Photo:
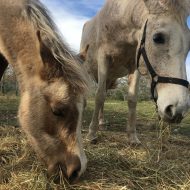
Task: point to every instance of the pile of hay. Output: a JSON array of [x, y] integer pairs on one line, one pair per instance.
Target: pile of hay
[[158, 164]]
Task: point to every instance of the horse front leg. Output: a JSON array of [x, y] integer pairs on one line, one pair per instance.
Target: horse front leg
[[101, 115], [100, 95], [133, 84], [102, 123]]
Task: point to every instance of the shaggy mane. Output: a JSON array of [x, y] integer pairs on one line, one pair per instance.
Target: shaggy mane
[[69, 64]]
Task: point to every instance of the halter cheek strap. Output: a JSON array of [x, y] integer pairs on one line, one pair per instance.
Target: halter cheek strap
[[155, 77]]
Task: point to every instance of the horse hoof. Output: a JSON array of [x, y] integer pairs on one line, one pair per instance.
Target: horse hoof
[[133, 140], [134, 143], [92, 139]]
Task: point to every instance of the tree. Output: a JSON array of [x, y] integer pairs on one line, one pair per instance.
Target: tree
[[8, 83]]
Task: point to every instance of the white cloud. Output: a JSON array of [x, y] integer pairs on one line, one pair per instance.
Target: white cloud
[[71, 28], [70, 25]]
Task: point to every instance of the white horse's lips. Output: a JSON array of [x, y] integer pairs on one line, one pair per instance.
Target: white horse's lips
[[177, 119]]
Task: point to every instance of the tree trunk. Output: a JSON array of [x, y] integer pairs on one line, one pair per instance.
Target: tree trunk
[[2, 85]]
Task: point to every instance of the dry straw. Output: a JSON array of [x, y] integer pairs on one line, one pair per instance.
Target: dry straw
[[162, 162]]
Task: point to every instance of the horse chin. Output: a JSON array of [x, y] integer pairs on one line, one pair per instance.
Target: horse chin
[[174, 108], [175, 120], [59, 173]]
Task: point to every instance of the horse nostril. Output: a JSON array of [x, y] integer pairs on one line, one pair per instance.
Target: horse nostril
[[74, 175], [69, 170], [169, 111], [171, 115], [73, 168]]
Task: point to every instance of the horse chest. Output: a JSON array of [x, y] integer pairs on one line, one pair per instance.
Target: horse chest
[[121, 62]]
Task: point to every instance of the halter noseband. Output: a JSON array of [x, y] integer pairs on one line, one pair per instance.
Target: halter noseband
[[155, 77]]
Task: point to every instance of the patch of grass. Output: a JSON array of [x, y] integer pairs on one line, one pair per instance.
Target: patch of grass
[[8, 110], [160, 163]]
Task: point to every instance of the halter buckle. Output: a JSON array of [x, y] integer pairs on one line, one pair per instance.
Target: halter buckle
[[155, 79]]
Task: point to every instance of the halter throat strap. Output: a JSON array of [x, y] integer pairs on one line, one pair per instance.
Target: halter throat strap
[[154, 76]]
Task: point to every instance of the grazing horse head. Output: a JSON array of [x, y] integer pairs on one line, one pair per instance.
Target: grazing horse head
[[51, 118], [52, 84], [163, 46]]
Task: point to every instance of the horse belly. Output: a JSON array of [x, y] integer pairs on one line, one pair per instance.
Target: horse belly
[[119, 72], [121, 65]]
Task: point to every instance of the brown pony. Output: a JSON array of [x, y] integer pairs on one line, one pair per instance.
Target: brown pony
[[52, 85]]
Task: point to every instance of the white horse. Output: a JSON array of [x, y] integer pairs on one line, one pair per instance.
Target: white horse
[[127, 35]]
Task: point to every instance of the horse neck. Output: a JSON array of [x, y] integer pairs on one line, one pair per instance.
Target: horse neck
[[127, 15], [26, 74], [21, 79]]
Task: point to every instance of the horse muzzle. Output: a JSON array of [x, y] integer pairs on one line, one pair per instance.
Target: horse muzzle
[[171, 115]]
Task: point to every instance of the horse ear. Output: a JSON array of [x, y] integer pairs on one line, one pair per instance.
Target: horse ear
[[45, 69], [45, 52], [83, 53]]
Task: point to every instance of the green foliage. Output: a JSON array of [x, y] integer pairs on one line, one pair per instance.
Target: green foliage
[[8, 110], [116, 95], [8, 83]]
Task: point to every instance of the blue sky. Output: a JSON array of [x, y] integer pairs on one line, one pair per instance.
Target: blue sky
[[70, 16]]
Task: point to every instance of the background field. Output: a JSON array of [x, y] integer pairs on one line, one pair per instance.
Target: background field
[[162, 162]]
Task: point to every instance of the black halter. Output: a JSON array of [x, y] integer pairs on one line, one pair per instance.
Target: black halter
[[155, 77]]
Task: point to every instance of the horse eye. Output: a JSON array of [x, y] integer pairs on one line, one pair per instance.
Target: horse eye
[[159, 38]]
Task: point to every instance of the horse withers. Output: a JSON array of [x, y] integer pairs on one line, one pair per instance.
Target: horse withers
[[52, 85], [127, 36]]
